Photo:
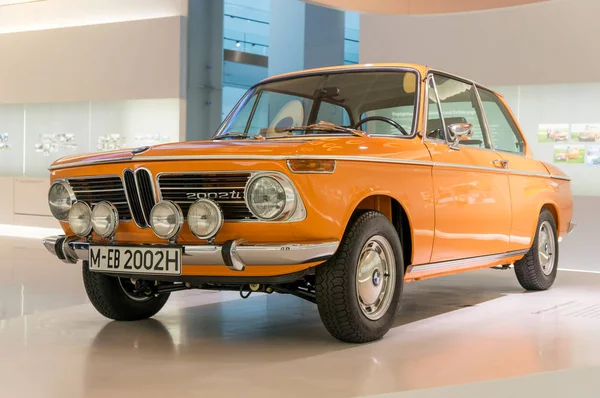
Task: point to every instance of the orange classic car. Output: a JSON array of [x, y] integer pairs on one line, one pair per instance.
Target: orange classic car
[[336, 185]]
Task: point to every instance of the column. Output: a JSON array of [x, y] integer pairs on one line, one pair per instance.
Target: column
[[204, 68], [304, 36]]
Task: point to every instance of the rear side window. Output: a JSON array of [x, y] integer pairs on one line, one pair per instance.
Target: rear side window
[[503, 129]]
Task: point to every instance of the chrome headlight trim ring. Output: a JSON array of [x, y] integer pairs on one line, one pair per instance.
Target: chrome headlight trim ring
[[291, 196], [114, 221], [178, 219], [220, 218], [73, 199]]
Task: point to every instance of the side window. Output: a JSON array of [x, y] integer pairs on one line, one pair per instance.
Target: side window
[[460, 105], [435, 127], [503, 130]]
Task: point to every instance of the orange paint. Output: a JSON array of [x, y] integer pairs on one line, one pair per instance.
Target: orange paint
[[455, 211]]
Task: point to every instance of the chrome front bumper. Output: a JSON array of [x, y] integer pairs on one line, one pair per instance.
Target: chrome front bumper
[[232, 254]]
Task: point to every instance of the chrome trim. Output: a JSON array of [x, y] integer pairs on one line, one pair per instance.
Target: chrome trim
[[465, 261], [88, 162], [325, 71], [298, 215], [179, 219], [487, 132], [358, 159], [137, 188], [571, 227], [50, 244], [151, 183], [122, 177], [88, 210], [281, 254], [219, 219], [64, 182], [114, 225], [291, 196]]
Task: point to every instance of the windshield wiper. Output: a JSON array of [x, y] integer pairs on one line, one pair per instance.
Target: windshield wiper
[[238, 135], [326, 127]]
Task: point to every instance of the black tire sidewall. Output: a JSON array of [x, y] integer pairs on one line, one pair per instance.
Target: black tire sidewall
[[109, 299], [337, 298]]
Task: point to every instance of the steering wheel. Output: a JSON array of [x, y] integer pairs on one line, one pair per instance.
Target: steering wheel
[[381, 119]]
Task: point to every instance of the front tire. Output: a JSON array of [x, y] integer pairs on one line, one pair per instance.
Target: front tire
[[113, 298], [537, 270], [358, 290]]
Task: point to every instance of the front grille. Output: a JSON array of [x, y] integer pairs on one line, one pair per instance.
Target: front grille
[[143, 179], [93, 190], [226, 189], [134, 199]]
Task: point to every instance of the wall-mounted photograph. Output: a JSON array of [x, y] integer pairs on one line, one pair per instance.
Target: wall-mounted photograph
[[553, 132], [569, 153], [585, 132], [592, 155]]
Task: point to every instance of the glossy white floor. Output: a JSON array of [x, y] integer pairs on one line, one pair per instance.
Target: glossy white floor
[[471, 335]]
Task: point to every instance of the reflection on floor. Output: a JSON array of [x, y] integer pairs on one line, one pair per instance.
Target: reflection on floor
[[478, 326]]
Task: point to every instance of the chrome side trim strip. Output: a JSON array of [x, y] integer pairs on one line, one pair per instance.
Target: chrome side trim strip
[[465, 261], [348, 158], [290, 254]]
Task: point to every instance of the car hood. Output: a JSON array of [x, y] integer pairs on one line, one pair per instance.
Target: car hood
[[288, 147]]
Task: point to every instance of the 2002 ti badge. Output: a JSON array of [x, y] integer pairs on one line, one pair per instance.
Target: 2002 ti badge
[[336, 185]]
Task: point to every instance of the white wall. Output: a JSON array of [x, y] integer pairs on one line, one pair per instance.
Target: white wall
[[543, 43], [50, 14], [122, 60]]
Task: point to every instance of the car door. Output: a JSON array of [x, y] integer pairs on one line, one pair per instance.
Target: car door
[[471, 188], [522, 169]]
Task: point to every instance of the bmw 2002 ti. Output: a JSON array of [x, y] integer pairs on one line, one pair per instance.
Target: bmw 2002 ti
[[336, 185]]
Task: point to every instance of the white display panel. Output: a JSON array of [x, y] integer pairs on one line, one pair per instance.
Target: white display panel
[[33, 136], [129, 124], [561, 123], [11, 139], [53, 131]]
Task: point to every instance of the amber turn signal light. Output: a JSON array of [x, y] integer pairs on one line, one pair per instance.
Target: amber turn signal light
[[311, 165]]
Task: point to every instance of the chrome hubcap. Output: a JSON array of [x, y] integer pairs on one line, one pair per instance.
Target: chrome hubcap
[[546, 247], [375, 277]]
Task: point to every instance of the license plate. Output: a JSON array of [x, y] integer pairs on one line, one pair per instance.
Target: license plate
[[135, 259]]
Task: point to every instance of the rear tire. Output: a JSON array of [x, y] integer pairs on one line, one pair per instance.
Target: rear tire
[[109, 297], [358, 290], [537, 270]]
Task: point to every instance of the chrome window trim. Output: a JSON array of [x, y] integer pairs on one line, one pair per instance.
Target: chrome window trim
[[360, 69], [464, 261], [299, 213], [487, 131], [525, 144], [426, 112]]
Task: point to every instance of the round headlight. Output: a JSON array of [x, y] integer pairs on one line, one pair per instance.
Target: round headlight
[[105, 219], [80, 219], [205, 218], [270, 196], [166, 219], [60, 200]]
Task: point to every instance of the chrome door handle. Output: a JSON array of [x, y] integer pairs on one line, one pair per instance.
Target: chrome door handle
[[500, 163]]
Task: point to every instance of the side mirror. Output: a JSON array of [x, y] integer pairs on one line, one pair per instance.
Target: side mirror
[[457, 131]]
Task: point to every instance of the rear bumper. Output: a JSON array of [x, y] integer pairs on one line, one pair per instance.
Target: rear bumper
[[232, 254]]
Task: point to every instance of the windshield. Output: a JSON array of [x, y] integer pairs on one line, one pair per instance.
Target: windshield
[[286, 108]]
